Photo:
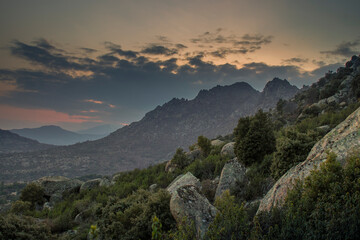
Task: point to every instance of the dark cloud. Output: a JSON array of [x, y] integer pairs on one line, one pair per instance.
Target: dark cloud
[[345, 49], [296, 60], [41, 53], [231, 44], [135, 84], [159, 50], [88, 50], [114, 48], [43, 43], [180, 46], [163, 38]]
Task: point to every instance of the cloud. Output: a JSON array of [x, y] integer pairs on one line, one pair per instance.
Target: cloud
[[159, 50], [124, 88], [88, 50], [295, 60], [9, 86], [44, 116], [93, 101], [230, 44], [344, 49], [114, 48]]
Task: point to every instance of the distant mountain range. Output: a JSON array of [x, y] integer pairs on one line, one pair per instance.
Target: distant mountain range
[[11, 143], [154, 138], [58, 136]]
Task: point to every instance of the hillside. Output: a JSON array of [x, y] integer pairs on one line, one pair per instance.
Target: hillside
[[55, 135], [11, 143], [153, 139]]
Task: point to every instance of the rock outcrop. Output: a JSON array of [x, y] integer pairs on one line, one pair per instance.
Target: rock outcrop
[[183, 180], [188, 203], [88, 185], [231, 173], [217, 143], [342, 140], [55, 186], [228, 150]]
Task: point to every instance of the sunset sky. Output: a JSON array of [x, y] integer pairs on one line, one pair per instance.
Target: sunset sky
[[83, 63]]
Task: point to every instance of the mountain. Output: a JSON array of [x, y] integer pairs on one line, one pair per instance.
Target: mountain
[[11, 143], [101, 130], [55, 135], [154, 138]]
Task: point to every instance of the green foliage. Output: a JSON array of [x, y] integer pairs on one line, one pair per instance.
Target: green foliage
[[355, 86], [292, 147], [207, 168], [20, 207], [254, 138], [132, 217], [325, 206], [180, 159], [280, 105], [257, 183], [230, 222], [156, 229], [205, 145], [185, 231], [23, 228], [34, 194]]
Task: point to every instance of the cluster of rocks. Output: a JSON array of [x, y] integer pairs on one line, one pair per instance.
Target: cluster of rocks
[[189, 204], [342, 140], [56, 187]]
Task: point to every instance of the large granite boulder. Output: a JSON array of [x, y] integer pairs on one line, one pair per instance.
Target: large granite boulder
[[228, 150], [217, 143], [183, 180], [188, 203], [194, 154], [88, 185], [341, 140], [55, 186], [231, 173]]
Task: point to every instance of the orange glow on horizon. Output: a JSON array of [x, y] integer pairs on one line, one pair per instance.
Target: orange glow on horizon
[[42, 115]]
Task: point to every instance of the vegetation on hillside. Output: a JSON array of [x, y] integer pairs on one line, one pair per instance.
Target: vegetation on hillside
[[325, 206]]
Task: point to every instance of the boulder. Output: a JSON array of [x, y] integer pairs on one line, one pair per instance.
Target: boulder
[[57, 185], [217, 143], [341, 140], [231, 173], [183, 180], [187, 203], [170, 167], [194, 154], [105, 182], [153, 187], [90, 184], [228, 150]]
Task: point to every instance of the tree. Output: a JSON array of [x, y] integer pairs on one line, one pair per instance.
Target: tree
[[292, 147], [33, 193], [180, 159], [254, 138], [205, 145]]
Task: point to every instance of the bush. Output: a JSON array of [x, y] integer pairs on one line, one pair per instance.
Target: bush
[[254, 138], [230, 222], [26, 228], [20, 207], [180, 159], [292, 147], [205, 145], [34, 194]]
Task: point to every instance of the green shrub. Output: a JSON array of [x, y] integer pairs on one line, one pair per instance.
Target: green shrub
[[34, 194], [23, 228], [231, 221], [180, 159], [205, 145], [20, 207], [254, 138]]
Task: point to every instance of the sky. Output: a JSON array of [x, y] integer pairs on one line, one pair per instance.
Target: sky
[[79, 64]]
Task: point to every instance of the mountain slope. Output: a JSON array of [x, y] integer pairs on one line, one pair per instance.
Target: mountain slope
[[55, 135], [11, 142], [175, 124], [103, 130]]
